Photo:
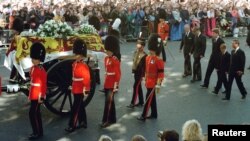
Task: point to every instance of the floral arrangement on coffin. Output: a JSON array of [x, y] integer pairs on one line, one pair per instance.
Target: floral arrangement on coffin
[[87, 29], [28, 33], [52, 28]]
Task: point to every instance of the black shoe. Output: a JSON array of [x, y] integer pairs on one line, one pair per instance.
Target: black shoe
[[204, 86], [225, 99], [34, 136], [104, 125], [131, 106], [138, 105], [215, 92], [198, 79], [184, 75], [192, 81], [103, 91], [243, 97], [151, 117], [69, 129], [82, 125], [141, 118]]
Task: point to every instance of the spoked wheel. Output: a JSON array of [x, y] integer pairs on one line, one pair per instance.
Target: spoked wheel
[[59, 99]]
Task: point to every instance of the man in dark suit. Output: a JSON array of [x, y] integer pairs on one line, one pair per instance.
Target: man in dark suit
[[187, 43], [237, 66], [223, 69], [198, 52], [214, 60]]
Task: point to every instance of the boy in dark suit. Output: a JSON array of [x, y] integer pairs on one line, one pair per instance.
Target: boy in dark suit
[[223, 68], [237, 66]]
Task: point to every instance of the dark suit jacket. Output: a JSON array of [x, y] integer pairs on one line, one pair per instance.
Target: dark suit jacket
[[216, 53], [184, 14], [225, 62], [187, 42], [199, 46], [238, 61]]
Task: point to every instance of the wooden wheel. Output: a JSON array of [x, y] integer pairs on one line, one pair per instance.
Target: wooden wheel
[[59, 99]]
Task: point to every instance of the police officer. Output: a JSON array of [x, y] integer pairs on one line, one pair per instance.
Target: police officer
[[80, 86], [138, 69], [38, 86], [153, 76], [112, 79]]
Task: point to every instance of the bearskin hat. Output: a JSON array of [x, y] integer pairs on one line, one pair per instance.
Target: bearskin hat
[[18, 25], [112, 44], [162, 14], [93, 20], [141, 41], [37, 51], [80, 47], [154, 43], [114, 32]]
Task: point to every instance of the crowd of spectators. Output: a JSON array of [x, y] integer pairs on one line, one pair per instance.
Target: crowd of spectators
[[231, 18]]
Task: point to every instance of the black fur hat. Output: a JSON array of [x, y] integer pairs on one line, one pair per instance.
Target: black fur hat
[[141, 41], [112, 44], [80, 47], [37, 51], [93, 20], [155, 43], [162, 14], [18, 24]]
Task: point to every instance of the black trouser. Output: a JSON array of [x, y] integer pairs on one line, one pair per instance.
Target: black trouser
[[187, 64], [137, 90], [109, 114], [150, 102], [35, 118], [210, 69], [197, 68], [239, 83], [222, 78], [78, 113]]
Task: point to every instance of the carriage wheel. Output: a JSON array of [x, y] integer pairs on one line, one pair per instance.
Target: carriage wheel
[[59, 99]]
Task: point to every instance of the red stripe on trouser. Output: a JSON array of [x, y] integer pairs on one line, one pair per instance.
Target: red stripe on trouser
[[110, 103], [76, 116], [37, 124], [136, 91], [149, 102]]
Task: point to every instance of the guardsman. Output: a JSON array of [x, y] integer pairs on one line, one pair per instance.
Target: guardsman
[[138, 69], [38, 86], [153, 76], [112, 79], [80, 87]]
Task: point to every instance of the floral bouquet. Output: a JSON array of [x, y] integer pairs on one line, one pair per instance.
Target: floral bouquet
[[87, 29], [52, 28]]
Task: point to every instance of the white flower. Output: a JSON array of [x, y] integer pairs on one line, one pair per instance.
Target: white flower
[[159, 40]]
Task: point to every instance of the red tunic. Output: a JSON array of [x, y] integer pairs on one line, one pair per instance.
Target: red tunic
[[163, 30], [113, 72], [80, 77], [154, 70], [38, 83]]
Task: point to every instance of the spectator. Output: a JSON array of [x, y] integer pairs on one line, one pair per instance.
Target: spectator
[[191, 131], [138, 138], [105, 138], [169, 135]]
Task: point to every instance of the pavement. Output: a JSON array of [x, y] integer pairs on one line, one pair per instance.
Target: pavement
[[178, 101]]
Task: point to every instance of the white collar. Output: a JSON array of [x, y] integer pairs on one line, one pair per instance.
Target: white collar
[[237, 49], [217, 38]]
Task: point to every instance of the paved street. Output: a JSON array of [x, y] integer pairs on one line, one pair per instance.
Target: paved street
[[178, 101]]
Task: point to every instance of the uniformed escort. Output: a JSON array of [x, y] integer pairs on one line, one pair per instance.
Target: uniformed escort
[[153, 76], [138, 69], [80, 87], [112, 79], [38, 86]]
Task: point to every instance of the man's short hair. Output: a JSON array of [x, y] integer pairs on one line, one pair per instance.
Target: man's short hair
[[170, 135], [223, 46], [236, 41], [196, 29], [216, 30]]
